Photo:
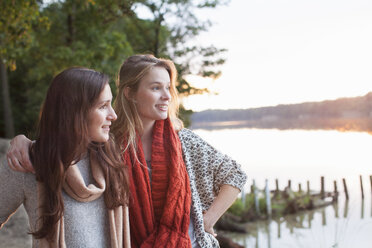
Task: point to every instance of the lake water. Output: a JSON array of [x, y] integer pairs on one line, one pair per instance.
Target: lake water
[[299, 156]]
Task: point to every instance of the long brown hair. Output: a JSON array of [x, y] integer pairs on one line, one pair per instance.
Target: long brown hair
[[62, 140], [130, 75]]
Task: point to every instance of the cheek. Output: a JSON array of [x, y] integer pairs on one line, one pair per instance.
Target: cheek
[[96, 120]]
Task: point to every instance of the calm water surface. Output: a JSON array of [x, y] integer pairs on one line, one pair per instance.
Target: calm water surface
[[299, 156]]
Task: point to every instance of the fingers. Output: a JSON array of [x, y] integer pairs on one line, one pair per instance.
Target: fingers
[[208, 226], [18, 156], [25, 162], [14, 164], [211, 231]]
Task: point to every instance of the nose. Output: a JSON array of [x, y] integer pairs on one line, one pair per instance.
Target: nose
[[112, 115], [166, 95]]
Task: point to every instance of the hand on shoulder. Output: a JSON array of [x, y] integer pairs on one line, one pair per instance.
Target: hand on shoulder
[[18, 154]]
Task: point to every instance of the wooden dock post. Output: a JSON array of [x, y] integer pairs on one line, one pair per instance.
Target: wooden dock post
[[289, 184], [243, 197], [361, 185], [299, 188], [276, 185], [345, 189], [268, 198], [322, 186], [308, 187], [256, 197], [335, 197]]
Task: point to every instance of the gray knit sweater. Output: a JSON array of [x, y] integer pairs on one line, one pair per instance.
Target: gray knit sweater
[[86, 224]]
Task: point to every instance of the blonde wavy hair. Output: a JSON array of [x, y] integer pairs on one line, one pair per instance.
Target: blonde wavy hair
[[131, 72]]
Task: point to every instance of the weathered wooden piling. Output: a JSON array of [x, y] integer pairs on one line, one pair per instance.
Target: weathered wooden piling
[[335, 191], [277, 185], [299, 188], [345, 189], [322, 186], [243, 197], [256, 203], [361, 185], [289, 184], [308, 187], [268, 198]]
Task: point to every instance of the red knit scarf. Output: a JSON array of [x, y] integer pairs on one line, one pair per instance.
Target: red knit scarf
[[160, 212]]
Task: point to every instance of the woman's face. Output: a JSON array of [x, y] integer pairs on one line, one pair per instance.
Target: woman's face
[[152, 97], [100, 117]]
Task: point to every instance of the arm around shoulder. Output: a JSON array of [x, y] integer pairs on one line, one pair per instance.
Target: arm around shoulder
[[11, 191], [18, 155]]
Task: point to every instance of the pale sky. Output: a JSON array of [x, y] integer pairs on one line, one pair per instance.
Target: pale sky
[[289, 51]]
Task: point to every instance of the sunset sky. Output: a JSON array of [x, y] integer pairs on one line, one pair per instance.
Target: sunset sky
[[288, 51]]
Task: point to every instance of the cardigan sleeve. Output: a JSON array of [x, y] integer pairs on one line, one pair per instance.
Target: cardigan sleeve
[[208, 159], [11, 191]]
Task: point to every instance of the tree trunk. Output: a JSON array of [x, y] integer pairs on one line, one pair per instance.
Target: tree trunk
[[8, 116], [71, 25], [158, 22]]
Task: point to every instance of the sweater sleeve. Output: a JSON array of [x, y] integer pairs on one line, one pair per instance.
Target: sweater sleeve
[[11, 191], [224, 169]]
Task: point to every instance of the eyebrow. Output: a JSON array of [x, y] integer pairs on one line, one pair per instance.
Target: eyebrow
[[159, 83], [104, 101]]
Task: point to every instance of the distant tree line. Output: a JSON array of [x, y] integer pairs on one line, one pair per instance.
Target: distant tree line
[[39, 39], [354, 113]]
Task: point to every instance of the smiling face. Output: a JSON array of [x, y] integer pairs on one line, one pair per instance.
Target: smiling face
[[100, 117], [152, 96]]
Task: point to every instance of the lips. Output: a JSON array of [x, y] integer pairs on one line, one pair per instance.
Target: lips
[[106, 127], [162, 107]]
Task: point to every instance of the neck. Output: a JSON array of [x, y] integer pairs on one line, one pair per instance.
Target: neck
[[146, 138], [147, 128]]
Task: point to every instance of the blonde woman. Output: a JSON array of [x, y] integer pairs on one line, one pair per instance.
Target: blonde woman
[[180, 185]]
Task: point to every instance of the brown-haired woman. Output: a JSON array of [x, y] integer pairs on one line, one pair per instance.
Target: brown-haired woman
[[179, 184], [78, 195]]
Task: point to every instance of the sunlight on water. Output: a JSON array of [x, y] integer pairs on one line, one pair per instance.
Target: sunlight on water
[[300, 156], [297, 155]]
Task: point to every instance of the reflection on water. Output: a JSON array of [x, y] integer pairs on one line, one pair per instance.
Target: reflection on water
[[317, 228], [299, 156]]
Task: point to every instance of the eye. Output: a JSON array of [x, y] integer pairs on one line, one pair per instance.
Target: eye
[[104, 106], [155, 88]]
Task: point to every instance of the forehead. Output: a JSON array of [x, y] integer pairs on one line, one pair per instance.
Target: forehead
[[156, 75], [105, 93]]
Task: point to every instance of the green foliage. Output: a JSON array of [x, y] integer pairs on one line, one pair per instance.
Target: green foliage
[[17, 20], [278, 208], [100, 34], [185, 116], [237, 208], [282, 203]]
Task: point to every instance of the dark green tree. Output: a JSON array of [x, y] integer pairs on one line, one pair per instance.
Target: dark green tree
[[17, 20], [101, 34], [174, 25], [81, 33]]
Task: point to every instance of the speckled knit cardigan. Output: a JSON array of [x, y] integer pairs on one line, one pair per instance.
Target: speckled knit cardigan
[[208, 170]]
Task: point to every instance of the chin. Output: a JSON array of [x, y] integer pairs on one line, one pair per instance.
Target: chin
[[102, 139], [163, 117]]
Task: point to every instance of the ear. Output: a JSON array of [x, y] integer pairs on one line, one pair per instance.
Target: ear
[[127, 93]]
